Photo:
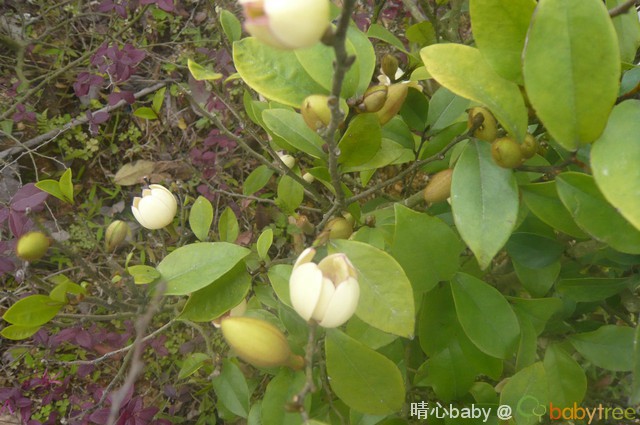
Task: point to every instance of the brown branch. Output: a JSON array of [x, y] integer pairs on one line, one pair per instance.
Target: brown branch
[[622, 8]]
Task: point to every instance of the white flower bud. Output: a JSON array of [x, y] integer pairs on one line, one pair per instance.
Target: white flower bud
[[308, 178], [288, 160], [286, 24], [156, 208], [326, 292]]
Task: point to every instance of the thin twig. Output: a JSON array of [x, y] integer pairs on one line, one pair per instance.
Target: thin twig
[[415, 11], [622, 8]]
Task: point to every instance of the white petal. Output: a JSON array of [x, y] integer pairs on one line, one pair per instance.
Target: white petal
[[337, 267], [298, 23], [328, 290], [343, 304], [305, 285], [138, 216], [305, 257], [163, 195], [154, 213]]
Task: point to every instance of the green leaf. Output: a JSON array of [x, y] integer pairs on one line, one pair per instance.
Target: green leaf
[[290, 194], [368, 335], [201, 217], [448, 372], [592, 288], [365, 57], [537, 310], [231, 389], [628, 30], [567, 381], [228, 226], [615, 158], [146, 113], [527, 394], [231, 27], [34, 310], [279, 392], [414, 112], [485, 316], [143, 274], [200, 73], [533, 250], [192, 364], [594, 214], [52, 187], [18, 332], [445, 108], [349, 367], [634, 398], [60, 291], [610, 347], [386, 298], [264, 243], [427, 249], [191, 267], [484, 200], [422, 34], [572, 96], [66, 186], [275, 74], [217, 298], [381, 33], [290, 126], [542, 199], [257, 180], [279, 277], [500, 30], [158, 99], [463, 70], [361, 141], [537, 281]]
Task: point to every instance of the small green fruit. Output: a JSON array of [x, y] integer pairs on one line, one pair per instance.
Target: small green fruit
[[529, 147], [489, 128], [32, 246], [339, 228], [438, 188], [506, 152], [315, 111], [115, 234]]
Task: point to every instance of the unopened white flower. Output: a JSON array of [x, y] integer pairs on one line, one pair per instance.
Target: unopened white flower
[[156, 208], [236, 311], [288, 160], [326, 292], [286, 24]]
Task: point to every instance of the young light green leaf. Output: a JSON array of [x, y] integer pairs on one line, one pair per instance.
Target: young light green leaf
[[257, 180], [279, 392], [60, 291], [365, 380], [18, 332], [228, 226], [158, 100], [192, 364], [463, 70], [232, 389], [290, 126], [191, 267], [201, 217], [573, 96], [627, 28], [66, 185], [527, 393], [231, 26], [200, 73], [567, 381], [615, 158], [445, 108], [381, 33], [146, 113], [290, 194], [484, 200], [264, 243], [33, 310], [143, 274]]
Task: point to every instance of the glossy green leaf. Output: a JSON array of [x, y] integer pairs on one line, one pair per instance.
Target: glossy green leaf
[[528, 347], [634, 397], [500, 30], [231, 389], [201, 217], [567, 381], [275, 74], [228, 226], [610, 347], [18, 332], [484, 200], [33, 310], [191, 267], [279, 278], [386, 298], [366, 57], [142, 274], [594, 214], [445, 108], [381, 33], [290, 194], [427, 249], [527, 394], [52, 187], [464, 71], [543, 201], [422, 34], [217, 298], [66, 185], [291, 127], [572, 96], [192, 364], [533, 250], [158, 99], [591, 289], [60, 291], [485, 316], [146, 113], [350, 368], [200, 73], [448, 372], [615, 158], [257, 180], [367, 334], [627, 28], [231, 26], [537, 281], [264, 243], [361, 141], [279, 392], [537, 310], [414, 111]]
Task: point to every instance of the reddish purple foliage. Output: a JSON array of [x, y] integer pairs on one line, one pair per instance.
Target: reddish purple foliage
[[23, 114], [120, 64]]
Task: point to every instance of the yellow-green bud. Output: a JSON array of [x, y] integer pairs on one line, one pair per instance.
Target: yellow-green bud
[[529, 147], [396, 95], [488, 129], [389, 66], [288, 160], [308, 177], [259, 343], [506, 152], [32, 246], [374, 98], [339, 228], [116, 233], [315, 111], [438, 188]]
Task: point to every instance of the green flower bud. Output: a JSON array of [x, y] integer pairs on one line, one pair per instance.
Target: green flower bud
[[506, 152], [396, 95], [315, 111], [389, 66], [32, 246], [438, 188], [116, 233], [339, 228], [374, 98]]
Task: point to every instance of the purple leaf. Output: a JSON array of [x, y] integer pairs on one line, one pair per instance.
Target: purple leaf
[[19, 224], [100, 416], [116, 97], [29, 196], [166, 5]]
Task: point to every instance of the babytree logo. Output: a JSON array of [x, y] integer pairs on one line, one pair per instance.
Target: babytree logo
[[599, 413]]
